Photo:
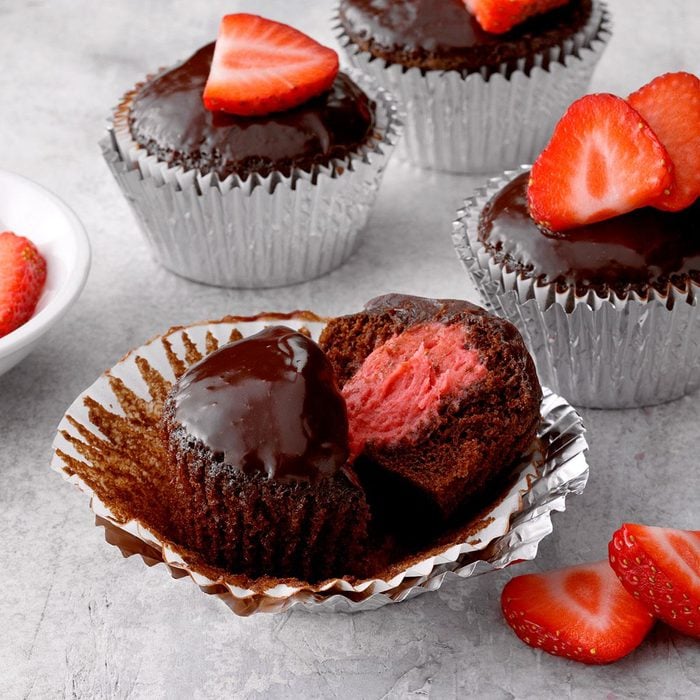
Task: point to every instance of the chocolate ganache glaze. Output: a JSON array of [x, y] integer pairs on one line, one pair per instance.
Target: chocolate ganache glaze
[[167, 117], [267, 403], [643, 248], [444, 35]]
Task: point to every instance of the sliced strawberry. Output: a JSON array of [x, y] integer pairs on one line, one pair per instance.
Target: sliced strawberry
[[581, 612], [670, 104], [500, 16], [260, 66], [660, 567], [22, 277], [602, 160]]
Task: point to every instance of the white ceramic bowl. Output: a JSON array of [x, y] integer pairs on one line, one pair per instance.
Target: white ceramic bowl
[[31, 211]]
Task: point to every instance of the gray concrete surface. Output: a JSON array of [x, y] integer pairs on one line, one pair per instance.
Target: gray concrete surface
[[77, 620]]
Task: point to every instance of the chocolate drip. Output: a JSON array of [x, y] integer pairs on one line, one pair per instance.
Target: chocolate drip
[[644, 247], [268, 403], [168, 118]]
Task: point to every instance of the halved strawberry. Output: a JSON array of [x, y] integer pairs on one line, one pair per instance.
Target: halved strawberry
[[660, 567], [580, 612], [500, 16], [22, 277], [670, 104], [260, 66], [602, 160]]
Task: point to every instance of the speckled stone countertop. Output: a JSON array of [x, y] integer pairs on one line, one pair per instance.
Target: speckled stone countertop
[[78, 620]]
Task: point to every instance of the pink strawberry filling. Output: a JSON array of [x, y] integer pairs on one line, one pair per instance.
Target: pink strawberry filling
[[401, 384]]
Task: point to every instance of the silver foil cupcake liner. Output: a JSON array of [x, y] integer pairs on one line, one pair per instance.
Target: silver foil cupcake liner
[[481, 122], [601, 351], [97, 455], [259, 231]]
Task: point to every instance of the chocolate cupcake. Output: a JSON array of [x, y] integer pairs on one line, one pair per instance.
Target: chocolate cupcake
[[258, 435], [595, 252], [442, 398], [251, 199], [167, 119], [640, 252], [476, 101], [609, 311]]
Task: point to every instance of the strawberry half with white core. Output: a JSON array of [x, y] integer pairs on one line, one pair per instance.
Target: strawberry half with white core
[[500, 16], [580, 612], [260, 66], [603, 160], [670, 104], [660, 567]]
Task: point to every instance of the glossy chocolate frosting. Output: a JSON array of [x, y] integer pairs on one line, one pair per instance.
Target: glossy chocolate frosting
[[168, 118], [268, 403], [444, 35], [643, 248]]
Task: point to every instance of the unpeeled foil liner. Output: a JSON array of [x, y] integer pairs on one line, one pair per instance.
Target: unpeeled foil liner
[[92, 457], [484, 122], [259, 231], [597, 350]]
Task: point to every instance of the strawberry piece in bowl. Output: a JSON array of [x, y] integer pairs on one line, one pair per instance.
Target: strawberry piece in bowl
[[660, 567], [579, 612], [22, 279], [261, 66], [603, 160], [500, 16], [670, 104]]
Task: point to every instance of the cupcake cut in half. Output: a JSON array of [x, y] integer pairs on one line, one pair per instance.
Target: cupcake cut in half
[[439, 393], [258, 434], [294, 459]]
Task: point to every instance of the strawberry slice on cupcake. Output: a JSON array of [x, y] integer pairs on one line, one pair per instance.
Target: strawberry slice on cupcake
[[261, 66], [670, 104], [500, 16], [603, 160], [609, 156]]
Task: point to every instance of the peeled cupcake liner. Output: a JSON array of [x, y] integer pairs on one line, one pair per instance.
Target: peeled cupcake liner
[[509, 532], [488, 121], [258, 231], [597, 350]]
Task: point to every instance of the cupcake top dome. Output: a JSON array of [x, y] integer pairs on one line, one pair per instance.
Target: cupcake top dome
[[266, 404], [446, 35], [265, 98]]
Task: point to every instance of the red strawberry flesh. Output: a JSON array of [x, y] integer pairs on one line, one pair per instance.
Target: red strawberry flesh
[[580, 612], [603, 160], [500, 16], [22, 278], [670, 104], [261, 66], [660, 567]]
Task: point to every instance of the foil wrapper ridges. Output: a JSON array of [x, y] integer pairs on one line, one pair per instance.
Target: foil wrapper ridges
[[597, 351], [258, 232], [482, 123], [509, 532]]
